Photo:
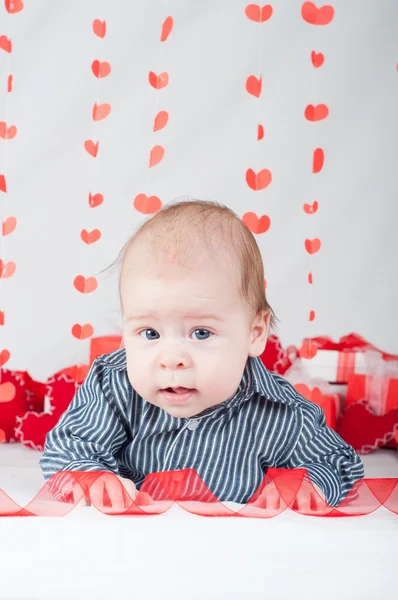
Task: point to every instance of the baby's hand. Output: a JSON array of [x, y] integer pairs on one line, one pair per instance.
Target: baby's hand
[[308, 501], [119, 489]]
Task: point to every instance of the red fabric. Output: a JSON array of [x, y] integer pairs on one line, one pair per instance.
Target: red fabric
[[25, 395], [159, 491], [275, 358], [365, 431]]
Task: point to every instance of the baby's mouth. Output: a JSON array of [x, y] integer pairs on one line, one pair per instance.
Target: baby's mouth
[[179, 390]]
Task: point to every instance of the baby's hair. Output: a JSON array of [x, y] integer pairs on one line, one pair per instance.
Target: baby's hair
[[182, 227]]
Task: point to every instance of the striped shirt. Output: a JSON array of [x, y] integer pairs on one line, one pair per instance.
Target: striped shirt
[[267, 423]]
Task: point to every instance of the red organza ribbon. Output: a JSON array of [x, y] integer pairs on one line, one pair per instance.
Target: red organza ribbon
[[187, 489], [347, 343]]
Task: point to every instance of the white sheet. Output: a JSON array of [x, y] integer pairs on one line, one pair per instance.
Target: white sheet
[[181, 556]]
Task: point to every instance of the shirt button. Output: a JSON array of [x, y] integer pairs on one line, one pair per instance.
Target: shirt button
[[192, 425]]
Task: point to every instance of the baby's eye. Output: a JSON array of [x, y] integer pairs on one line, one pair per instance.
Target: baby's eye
[[153, 331]]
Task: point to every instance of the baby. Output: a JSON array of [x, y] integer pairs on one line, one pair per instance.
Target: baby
[[188, 390]]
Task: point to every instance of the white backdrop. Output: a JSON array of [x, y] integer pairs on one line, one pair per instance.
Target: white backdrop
[[210, 141]]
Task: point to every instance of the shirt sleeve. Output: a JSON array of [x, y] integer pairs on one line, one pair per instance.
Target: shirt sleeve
[[332, 464], [86, 438]]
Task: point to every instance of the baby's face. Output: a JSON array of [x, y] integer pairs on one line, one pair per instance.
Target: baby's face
[[184, 327]]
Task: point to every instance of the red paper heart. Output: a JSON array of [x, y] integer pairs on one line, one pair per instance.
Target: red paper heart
[[161, 120], [9, 225], [260, 132], [7, 133], [82, 332], [7, 269], [91, 148], [3, 184], [166, 28], [13, 6], [258, 181], [257, 14], [317, 59], [156, 156], [311, 209], [9, 83], [158, 81], [312, 246], [95, 200], [310, 278], [312, 315], [89, 237], [4, 357], [2, 436], [318, 159], [101, 69], [308, 349], [255, 224], [253, 85], [7, 391], [5, 43], [2, 317], [316, 113], [85, 286], [101, 111], [99, 28], [317, 16], [148, 205]]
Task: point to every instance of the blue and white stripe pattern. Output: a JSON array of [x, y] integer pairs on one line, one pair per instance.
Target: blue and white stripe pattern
[[109, 427]]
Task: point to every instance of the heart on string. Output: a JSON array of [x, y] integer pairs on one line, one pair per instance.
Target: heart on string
[[312, 315], [317, 16], [258, 14], [85, 286], [260, 132], [317, 163], [312, 246], [156, 156], [89, 237], [101, 69], [161, 120], [9, 225], [166, 29], [9, 83], [147, 205], [95, 199], [3, 184], [7, 391], [4, 357], [316, 113], [101, 111], [311, 209], [308, 349], [7, 133], [253, 85], [91, 148], [13, 6], [99, 28], [310, 278], [2, 317], [258, 181], [82, 332], [158, 81], [317, 59], [5, 43], [255, 224], [7, 269]]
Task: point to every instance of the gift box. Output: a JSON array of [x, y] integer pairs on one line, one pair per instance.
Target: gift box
[[104, 345], [335, 362]]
